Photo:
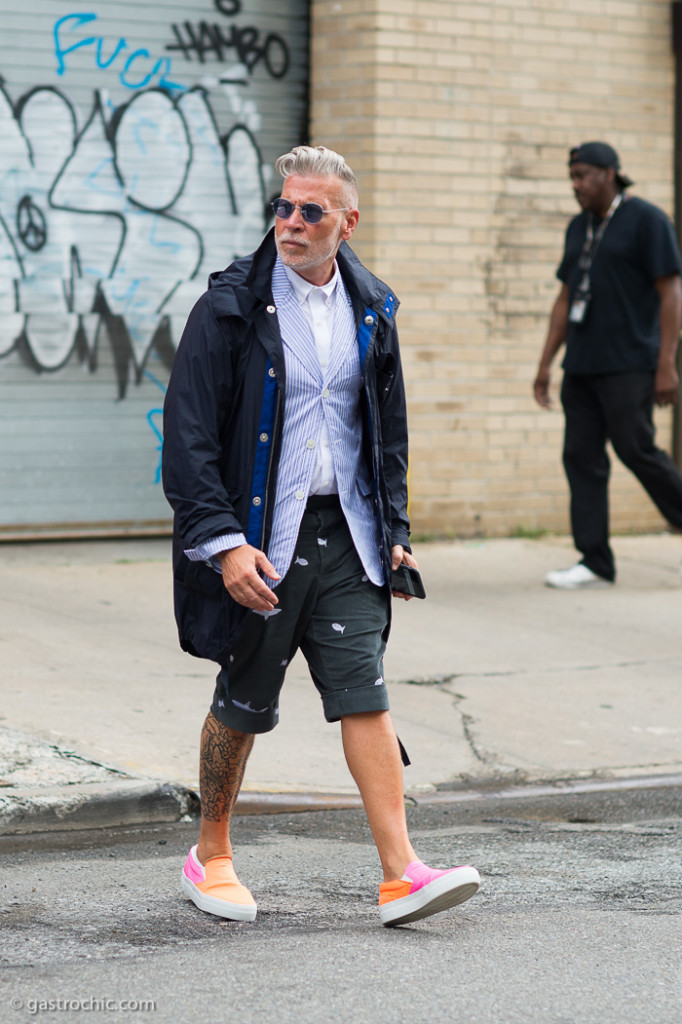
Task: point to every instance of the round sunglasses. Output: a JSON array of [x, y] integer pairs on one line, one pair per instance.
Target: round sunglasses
[[312, 213]]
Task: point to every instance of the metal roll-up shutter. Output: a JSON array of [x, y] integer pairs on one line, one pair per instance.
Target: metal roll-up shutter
[[136, 151]]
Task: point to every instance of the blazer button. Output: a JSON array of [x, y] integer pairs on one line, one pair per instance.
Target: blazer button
[[271, 372], [257, 501], [369, 320], [272, 309], [263, 438]]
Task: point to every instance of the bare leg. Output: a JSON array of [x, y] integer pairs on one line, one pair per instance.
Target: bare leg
[[224, 753], [373, 755]]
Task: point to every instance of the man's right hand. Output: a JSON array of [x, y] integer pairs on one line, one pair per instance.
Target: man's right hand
[[240, 575], [556, 335], [541, 389]]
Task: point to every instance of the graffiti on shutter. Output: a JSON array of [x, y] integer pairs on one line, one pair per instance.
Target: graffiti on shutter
[[136, 150]]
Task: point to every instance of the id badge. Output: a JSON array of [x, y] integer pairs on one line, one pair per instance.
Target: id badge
[[578, 311]]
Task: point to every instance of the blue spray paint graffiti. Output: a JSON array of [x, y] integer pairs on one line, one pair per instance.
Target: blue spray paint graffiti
[[153, 416], [133, 63], [130, 169], [204, 40]]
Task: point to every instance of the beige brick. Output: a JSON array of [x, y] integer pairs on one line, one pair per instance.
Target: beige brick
[[458, 116]]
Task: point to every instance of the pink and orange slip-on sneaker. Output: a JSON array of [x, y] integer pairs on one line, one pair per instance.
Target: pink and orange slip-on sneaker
[[215, 888], [423, 891]]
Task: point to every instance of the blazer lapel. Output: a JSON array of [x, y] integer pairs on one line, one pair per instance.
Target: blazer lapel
[[294, 327], [343, 334]]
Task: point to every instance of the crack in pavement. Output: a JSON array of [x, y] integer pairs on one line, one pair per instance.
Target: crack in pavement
[[71, 755], [467, 721]]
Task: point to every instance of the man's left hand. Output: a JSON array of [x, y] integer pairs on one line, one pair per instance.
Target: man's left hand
[[398, 555], [667, 385]]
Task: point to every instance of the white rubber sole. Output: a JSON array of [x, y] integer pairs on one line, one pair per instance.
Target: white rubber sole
[[558, 580], [444, 892], [220, 908], [590, 585]]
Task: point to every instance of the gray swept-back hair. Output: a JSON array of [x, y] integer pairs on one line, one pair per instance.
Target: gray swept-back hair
[[318, 161]]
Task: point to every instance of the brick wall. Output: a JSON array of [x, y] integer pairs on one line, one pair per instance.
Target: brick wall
[[457, 118]]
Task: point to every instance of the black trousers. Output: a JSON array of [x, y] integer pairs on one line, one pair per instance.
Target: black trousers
[[619, 408]]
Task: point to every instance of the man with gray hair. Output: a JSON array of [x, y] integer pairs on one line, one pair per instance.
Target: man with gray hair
[[285, 462]]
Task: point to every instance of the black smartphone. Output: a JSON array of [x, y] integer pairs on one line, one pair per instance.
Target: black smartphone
[[406, 580]]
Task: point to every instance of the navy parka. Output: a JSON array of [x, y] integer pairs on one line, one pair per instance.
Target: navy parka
[[223, 417]]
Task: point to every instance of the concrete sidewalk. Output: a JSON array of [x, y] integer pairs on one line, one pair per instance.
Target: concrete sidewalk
[[494, 680]]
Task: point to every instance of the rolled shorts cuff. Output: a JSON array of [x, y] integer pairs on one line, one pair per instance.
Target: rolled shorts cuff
[[354, 701], [243, 719]]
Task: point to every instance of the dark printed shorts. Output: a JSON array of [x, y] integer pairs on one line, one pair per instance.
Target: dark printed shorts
[[327, 608]]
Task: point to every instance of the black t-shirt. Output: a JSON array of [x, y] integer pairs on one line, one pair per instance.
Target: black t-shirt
[[620, 332]]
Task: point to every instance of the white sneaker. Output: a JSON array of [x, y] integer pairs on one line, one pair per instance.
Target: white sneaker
[[578, 577]]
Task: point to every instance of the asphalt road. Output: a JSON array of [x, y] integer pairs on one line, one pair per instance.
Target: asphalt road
[[578, 921]]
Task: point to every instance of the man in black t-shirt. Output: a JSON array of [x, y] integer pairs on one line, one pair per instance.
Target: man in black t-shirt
[[619, 312]]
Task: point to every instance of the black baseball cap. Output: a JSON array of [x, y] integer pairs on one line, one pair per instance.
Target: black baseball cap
[[599, 154]]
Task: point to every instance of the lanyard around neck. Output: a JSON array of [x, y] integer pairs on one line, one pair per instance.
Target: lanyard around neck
[[592, 240], [589, 235]]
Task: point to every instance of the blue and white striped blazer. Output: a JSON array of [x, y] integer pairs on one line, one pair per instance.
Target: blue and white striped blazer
[[314, 396]]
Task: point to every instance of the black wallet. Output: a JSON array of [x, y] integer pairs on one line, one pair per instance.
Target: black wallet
[[406, 580]]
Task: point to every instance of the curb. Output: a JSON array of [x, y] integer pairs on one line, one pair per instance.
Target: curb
[[125, 803], [97, 805], [291, 803], [147, 803]]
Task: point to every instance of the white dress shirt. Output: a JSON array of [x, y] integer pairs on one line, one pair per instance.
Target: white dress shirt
[[318, 304], [323, 376]]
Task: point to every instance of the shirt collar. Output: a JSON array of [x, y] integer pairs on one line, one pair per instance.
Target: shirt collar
[[303, 288]]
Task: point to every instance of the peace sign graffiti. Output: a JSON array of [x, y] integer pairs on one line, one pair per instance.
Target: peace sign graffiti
[[31, 224]]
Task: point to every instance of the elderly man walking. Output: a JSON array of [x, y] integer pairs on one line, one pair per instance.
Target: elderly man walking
[[619, 312], [285, 460]]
